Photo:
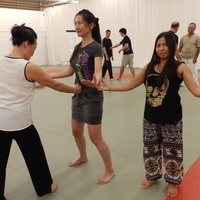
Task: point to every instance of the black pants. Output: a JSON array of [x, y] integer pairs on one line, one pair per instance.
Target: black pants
[[107, 66], [32, 150]]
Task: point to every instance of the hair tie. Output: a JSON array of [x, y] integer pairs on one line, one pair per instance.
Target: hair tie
[[22, 26], [96, 21]]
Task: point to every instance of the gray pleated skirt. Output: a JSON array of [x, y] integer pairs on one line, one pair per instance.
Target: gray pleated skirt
[[87, 107]]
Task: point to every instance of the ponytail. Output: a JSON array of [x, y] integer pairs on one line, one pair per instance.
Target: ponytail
[[96, 31]]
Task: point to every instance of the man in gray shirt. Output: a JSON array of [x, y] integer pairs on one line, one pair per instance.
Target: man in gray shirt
[[189, 47]]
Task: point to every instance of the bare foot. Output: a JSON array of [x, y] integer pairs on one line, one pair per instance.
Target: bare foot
[[172, 190], [54, 187], [148, 183], [106, 177], [119, 78], [77, 162]]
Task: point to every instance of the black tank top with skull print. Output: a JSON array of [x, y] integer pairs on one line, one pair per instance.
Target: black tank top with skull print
[[163, 106]]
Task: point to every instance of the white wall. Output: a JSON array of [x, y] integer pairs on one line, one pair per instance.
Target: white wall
[[34, 19], [143, 19]]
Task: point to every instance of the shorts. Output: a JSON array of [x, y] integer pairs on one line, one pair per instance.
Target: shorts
[[87, 107], [127, 59]]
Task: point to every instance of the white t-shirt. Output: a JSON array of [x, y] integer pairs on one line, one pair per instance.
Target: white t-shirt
[[16, 94]]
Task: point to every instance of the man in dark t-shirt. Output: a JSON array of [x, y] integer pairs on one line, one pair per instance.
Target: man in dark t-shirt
[[127, 58], [106, 44], [174, 28]]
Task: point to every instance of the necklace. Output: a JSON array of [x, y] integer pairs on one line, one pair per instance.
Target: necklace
[[158, 68]]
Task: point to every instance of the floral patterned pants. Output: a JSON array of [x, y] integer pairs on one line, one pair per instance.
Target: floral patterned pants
[[163, 144]]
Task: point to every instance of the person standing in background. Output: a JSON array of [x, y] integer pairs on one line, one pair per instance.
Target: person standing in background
[[189, 47], [174, 29], [108, 54], [127, 58]]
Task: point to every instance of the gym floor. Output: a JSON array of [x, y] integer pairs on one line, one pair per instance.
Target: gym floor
[[122, 130]]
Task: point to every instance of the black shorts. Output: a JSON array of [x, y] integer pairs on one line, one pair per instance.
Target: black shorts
[[87, 107]]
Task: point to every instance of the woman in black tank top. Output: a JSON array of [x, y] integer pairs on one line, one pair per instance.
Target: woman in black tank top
[[162, 125]]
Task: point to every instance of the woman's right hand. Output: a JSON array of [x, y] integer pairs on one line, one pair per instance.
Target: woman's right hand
[[78, 89]]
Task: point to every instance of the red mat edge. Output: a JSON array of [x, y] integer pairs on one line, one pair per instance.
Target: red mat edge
[[188, 191]]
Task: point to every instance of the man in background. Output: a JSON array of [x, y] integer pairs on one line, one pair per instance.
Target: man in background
[[108, 54], [189, 47], [127, 58], [174, 29]]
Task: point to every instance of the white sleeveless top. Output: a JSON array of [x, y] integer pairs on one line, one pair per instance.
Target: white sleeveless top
[[16, 93]]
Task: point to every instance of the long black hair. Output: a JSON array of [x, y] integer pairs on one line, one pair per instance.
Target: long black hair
[[89, 18], [170, 41], [22, 33]]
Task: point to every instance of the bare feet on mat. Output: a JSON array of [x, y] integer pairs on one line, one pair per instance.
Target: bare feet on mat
[[77, 162], [119, 78], [106, 177], [148, 183], [54, 187], [172, 190]]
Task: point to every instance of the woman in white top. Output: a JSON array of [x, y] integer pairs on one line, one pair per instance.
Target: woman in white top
[[17, 83]]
